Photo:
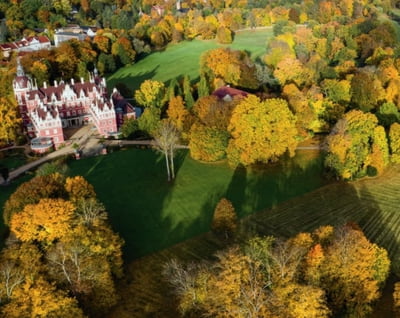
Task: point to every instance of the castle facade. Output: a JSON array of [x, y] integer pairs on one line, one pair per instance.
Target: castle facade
[[48, 110]]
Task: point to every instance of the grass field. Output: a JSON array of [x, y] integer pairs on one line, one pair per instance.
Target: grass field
[[183, 59], [151, 214], [13, 158], [372, 203]]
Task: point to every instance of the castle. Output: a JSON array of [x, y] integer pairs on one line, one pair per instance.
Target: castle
[[47, 110]]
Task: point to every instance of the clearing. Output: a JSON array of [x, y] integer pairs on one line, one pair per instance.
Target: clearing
[[184, 59]]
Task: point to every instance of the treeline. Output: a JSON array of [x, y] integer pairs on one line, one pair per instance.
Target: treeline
[[61, 257], [329, 272]]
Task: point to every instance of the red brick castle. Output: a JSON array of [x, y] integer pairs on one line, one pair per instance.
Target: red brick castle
[[47, 110]]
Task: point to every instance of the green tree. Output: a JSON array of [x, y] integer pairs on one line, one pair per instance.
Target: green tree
[[203, 88], [388, 114], [187, 92]]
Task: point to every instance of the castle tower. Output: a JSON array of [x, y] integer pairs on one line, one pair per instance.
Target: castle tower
[[21, 84]]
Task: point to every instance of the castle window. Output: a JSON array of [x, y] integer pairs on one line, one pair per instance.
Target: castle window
[[54, 131], [47, 132]]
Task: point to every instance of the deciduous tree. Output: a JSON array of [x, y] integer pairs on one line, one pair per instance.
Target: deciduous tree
[[261, 131], [224, 220], [166, 139]]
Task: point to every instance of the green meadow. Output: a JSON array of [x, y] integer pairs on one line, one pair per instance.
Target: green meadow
[[183, 58], [152, 214]]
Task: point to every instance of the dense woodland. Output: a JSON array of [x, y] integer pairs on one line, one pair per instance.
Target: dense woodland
[[332, 68]]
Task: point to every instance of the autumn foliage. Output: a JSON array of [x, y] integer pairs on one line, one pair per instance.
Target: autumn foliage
[[61, 246], [261, 131], [309, 275]]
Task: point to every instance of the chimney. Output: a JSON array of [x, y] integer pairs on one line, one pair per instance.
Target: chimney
[[55, 83], [72, 81], [44, 85], [82, 80]]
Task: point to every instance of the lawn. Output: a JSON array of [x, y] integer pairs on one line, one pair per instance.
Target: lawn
[[183, 59], [152, 214], [12, 158], [373, 203]]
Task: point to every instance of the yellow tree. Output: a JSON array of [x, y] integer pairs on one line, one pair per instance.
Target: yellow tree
[[45, 222], [9, 120], [224, 219], [349, 253], [261, 131], [38, 298], [394, 139], [30, 192], [79, 189], [150, 94], [179, 115]]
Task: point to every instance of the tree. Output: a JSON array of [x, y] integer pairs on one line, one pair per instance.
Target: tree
[[9, 120], [150, 94], [129, 128], [366, 91], [38, 298], [166, 139], [351, 143], [388, 114], [30, 192], [187, 92], [261, 131], [394, 142], [224, 220], [203, 88], [179, 115], [233, 67], [149, 121], [79, 189], [224, 35], [45, 222], [207, 143], [349, 253], [292, 70]]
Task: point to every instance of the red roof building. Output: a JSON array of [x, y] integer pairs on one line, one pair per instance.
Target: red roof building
[[28, 44], [47, 110], [227, 93]]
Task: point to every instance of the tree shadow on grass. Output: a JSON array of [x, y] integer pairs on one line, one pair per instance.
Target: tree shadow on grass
[[131, 81], [132, 184], [264, 186], [371, 203]]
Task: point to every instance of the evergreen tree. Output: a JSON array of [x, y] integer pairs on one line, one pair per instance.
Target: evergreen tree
[[203, 88], [187, 92]]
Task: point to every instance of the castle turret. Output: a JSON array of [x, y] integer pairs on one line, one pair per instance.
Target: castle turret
[[21, 83]]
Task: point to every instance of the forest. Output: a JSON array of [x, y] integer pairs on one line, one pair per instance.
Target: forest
[[331, 69]]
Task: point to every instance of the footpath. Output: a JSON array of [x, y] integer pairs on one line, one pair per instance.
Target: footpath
[[81, 138]]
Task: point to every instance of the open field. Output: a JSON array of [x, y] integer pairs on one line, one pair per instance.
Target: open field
[[184, 59], [372, 203], [152, 214]]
